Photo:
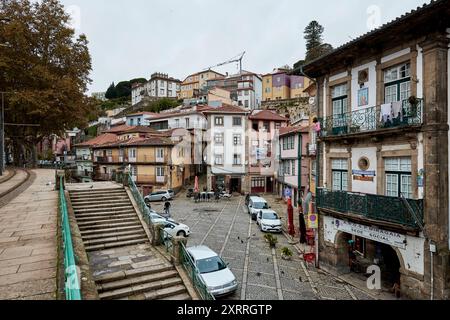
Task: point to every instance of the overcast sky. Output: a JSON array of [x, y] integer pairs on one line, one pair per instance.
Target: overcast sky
[[134, 38]]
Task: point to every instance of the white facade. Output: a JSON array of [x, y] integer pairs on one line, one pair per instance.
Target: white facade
[[84, 161], [224, 155], [188, 120], [139, 119], [159, 86], [250, 92]]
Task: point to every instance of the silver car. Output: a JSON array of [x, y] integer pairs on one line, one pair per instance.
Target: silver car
[[214, 271], [158, 196]]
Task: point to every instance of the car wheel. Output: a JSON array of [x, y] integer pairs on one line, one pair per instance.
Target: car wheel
[[146, 200], [181, 234], [164, 199]]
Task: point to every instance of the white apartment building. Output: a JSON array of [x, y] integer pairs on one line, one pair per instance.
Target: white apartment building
[[250, 91], [160, 85], [192, 118], [226, 148]]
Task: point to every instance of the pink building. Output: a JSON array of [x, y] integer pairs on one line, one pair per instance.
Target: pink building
[[264, 128], [294, 164]]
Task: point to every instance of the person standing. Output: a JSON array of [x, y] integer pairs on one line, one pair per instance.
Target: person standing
[[167, 206]]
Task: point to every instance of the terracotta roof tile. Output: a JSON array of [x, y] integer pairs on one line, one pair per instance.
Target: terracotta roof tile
[[289, 130], [101, 139], [226, 108], [267, 115]]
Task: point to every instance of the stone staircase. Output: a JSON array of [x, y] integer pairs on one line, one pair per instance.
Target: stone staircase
[[123, 263]]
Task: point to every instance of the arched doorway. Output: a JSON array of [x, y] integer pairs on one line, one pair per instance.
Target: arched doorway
[[389, 263]]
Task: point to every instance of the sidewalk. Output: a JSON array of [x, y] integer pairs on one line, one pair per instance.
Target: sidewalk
[[28, 242]]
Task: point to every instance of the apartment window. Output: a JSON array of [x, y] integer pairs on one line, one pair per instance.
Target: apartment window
[[397, 83], [160, 171], [170, 85], [246, 92], [293, 168], [139, 121], [246, 104], [237, 139], [339, 174], [177, 123], [160, 153], [131, 122], [313, 167], [109, 153], [287, 168], [398, 177], [237, 160], [161, 92], [340, 104], [134, 171], [187, 123], [277, 126], [218, 161], [289, 143], [218, 121], [266, 126], [237, 121], [218, 138]]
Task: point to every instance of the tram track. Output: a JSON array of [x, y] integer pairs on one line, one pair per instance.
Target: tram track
[[12, 192]]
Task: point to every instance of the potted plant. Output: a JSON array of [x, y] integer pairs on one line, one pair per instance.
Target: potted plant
[[286, 253], [271, 240], [414, 102]]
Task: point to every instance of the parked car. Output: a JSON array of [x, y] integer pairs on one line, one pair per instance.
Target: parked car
[[175, 229], [172, 193], [214, 271], [248, 196], [162, 195], [255, 205], [269, 221], [157, 218]]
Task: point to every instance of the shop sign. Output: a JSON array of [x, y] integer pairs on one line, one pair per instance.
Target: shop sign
[[383, 236], [364, 173]]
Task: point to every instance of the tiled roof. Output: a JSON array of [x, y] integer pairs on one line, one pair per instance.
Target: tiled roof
[[142, 114], [405, 18], [267, 115], [101, 139], [226, 108], [290, 130], [150, 141], [119, 128], [139, 129]]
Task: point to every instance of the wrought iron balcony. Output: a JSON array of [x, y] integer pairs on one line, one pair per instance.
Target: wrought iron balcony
[[374, 207], [372, 120]]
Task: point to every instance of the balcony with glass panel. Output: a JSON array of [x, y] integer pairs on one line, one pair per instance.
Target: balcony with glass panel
[[374, 120], [375, 209]]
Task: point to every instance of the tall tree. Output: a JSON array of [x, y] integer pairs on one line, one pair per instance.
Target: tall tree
[[314, 41], [45, 70], [111, 92]]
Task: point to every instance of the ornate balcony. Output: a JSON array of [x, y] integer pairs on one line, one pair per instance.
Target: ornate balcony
[[372, 120], [373, 207]]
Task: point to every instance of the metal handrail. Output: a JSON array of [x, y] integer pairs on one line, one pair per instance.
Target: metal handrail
[[71, 282], [144, 210]]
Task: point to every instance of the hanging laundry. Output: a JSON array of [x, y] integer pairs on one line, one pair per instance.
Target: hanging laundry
[[397, 110], [386, 110]]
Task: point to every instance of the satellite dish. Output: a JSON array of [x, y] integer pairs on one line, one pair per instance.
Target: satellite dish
[[312, 100]]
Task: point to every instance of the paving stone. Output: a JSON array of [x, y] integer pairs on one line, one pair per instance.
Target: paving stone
[[261, 293]]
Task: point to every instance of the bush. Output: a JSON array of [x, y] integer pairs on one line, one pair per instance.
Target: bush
[[287, 252], [271, 239]]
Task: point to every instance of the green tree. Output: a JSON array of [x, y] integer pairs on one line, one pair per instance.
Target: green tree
[[111, 92], [123, 89], [45, 69], [314, 42]]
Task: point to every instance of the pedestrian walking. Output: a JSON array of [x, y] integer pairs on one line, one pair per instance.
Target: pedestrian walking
[[167, 206]]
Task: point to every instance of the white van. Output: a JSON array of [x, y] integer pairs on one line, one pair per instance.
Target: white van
[[256, 205]]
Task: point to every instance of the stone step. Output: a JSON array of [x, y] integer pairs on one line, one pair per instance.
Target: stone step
[[154, 289], [104, 205], [99, 247], [110, 230], [94, 203], [109, 209], [104, 214], [98, 196], [178, 297], [99, 235], [110, 225], [137, 280], [121, 275], [111, 240], [106, 217], [110, 221], [92, 191]]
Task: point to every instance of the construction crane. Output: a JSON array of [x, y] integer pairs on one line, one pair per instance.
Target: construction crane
[[238, 58]]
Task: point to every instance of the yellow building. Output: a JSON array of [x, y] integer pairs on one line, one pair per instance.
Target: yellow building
[[156, 161], [280, 85], [192, 84]]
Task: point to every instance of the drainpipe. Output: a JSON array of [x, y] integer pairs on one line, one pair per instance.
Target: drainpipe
[[432, 251], [300, 147]]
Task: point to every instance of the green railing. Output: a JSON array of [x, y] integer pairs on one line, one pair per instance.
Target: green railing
[[372, 119], [71, 281], [194, 274], [144, 210], [165, 239], [376, 207]]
